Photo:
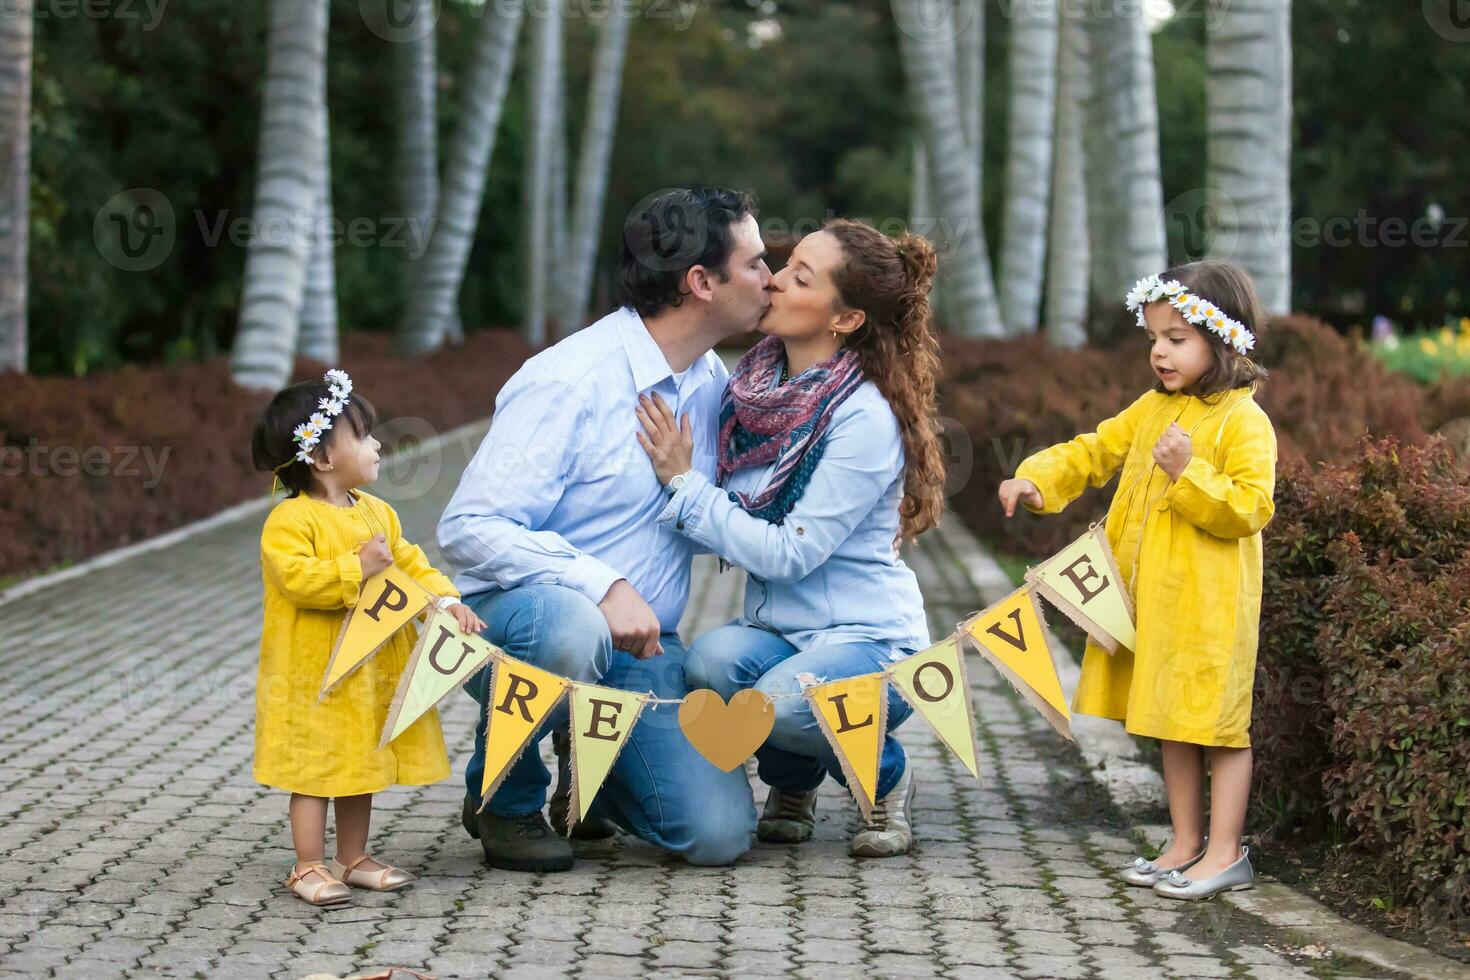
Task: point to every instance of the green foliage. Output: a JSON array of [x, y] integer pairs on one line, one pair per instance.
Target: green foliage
[[1428, 356]]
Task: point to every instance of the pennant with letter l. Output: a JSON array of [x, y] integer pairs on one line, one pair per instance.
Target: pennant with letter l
[[853, 714], [1012, 636], [521, 696], [934, 682], [1082, 581], [385, 604], [441, 660], [602, 720]]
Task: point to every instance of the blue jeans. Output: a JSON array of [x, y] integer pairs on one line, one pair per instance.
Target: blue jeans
[[660, 789], [797, 755]]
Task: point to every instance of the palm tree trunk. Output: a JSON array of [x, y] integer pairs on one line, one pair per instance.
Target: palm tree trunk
[[17, 46], [593, 164], [1033, 52], [435, 286], [318, 339], [541, 92], [1248, 120], [926, 48], [969, 20], [1067, 258], [286, 193], [556, 210]]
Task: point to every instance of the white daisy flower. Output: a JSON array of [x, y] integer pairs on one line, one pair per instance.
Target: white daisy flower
[[337, 377], [301, 432], [320, 421], [304, 456], [329, 406], [1173, 287]]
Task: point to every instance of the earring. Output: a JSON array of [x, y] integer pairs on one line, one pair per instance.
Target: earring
[[834, 335]]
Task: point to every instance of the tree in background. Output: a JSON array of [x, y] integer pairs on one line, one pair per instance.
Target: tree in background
[[1065, 321], [1029, 140], [542, 93], [17, 41]]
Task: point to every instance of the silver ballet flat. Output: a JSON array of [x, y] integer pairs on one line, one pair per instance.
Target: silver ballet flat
[[1238, 876], [1145, 874]]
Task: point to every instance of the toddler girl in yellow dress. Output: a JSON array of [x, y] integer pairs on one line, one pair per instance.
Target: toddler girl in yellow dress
[[317, 547], [1198, 461]]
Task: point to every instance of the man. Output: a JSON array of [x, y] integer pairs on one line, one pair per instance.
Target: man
[[554, 532]]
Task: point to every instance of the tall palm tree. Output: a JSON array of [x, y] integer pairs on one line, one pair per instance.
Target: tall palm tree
[[544, 79], [287, 188], [1033, 67], [969, 21], [593, 163], [318, 338], [1065, 320], [927, 50], [1248, 122], [17, 44], [434, 289]]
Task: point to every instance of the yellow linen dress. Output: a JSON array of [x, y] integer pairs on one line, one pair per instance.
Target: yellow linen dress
[[1189, 552], [311, 572]]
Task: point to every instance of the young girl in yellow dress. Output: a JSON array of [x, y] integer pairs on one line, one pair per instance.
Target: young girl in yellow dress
[[1198, 461], [317, 547]]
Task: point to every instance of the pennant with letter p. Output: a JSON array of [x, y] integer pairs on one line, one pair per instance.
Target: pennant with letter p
[[1082, 581], [934, 682], [1010, 635], [602, 720], [441, 660], [385, 604], [853, 714], [521, 696]]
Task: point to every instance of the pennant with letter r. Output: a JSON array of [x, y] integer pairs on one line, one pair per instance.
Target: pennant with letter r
[[521, 696]]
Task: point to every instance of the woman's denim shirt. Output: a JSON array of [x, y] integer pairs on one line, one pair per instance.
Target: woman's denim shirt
[[829, 572]]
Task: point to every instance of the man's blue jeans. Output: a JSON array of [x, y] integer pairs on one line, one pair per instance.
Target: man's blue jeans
[[660, 788], [797, 754]]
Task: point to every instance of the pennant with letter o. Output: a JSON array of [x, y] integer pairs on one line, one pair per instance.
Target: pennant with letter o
[[602, 720], [1082, 581], [853, 714], [1012, 636], [385, 604], [441, 660], [934, 682], [521, 696]]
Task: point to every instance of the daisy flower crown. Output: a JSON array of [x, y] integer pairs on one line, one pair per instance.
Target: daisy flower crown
[[1194, 308], [308, 435]]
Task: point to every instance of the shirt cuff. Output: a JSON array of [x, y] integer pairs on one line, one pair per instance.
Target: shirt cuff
[[590, 577], [445, 601], [1196, 469], [349, 569], [686, 508]]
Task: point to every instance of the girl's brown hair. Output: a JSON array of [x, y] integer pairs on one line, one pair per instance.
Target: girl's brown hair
[[272, 446], [889, 280], [1230, 288]]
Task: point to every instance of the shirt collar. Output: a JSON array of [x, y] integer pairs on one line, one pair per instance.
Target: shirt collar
[[646, 359]]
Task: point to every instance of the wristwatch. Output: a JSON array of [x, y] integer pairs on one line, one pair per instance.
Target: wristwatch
[[676, 483]]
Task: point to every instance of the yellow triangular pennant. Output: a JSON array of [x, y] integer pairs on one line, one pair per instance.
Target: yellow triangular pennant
[[441, 660], [385, 604], [521, 696], [934, 682], [602, 720], [1012, 636], [1082, 581], [853, 714]]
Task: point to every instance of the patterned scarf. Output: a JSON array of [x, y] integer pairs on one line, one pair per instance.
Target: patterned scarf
[[761, 421]]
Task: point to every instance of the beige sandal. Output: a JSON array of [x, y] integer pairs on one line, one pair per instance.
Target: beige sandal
[[328, 891], [386, 879]]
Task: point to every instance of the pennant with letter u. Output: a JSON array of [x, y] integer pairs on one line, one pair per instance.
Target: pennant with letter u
[[385, 604], [1082, 581], [602, 720], [521, 696], [934, 682], [1011, 635], [853, 714], [441, 660]]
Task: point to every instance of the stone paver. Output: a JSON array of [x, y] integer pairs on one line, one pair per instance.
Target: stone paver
[[133, 841]]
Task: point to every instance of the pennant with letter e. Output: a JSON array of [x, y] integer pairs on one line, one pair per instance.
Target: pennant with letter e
[[521, 696], [1012, 636], [934, 682], [853, 714], [1082, 581], [385, 604], [441, 660], [602, 720]]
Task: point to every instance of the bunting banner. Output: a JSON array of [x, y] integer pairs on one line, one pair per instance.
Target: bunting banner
[[853, 714], [602, 720], [385, 604], [1012, 635], [521, 696], [934, 682], [1082, 581], [441, 660]]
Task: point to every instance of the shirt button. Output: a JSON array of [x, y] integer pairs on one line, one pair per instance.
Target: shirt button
[[800, 529], [680, 525]]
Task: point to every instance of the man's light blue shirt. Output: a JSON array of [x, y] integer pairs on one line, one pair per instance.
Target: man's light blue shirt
[[560, 491]]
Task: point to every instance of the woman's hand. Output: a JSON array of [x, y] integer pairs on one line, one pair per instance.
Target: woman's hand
[[1012, 491], [669, 443], [466, 618]]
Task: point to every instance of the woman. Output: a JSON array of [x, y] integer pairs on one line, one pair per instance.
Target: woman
[[828, 458]]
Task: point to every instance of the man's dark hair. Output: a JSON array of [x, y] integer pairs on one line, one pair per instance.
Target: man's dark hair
[[669, 233]]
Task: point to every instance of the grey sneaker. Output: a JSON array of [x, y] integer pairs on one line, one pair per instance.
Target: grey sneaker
[[889, 830], [523, 843], [593, 828], [788, 818]]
